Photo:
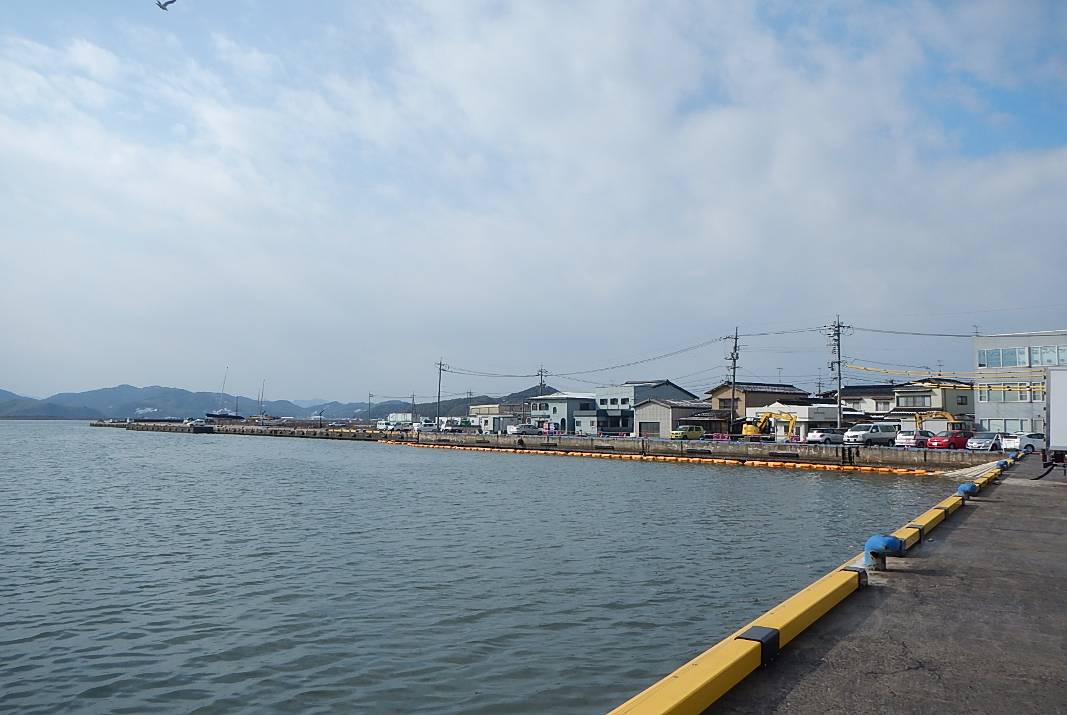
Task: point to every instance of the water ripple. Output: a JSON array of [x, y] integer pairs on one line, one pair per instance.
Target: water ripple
[[175, 573]]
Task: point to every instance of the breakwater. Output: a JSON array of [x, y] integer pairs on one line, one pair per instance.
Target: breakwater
[[762, 454]]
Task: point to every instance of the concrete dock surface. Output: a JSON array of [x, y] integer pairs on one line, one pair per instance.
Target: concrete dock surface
[[974, 620]]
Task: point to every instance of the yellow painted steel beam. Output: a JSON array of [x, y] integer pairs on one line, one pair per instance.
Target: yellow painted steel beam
[[909, 535], [697, 684], [798, 612]]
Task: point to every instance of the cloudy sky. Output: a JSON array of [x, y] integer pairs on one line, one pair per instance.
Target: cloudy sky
[[332, 195]]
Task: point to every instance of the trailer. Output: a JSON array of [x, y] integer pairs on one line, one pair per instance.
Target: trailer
[[1056, 412]]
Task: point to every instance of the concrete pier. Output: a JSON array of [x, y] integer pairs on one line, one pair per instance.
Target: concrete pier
[[973, 621]]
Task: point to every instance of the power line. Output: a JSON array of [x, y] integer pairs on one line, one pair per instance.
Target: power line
[[910, 332], [641, 361]]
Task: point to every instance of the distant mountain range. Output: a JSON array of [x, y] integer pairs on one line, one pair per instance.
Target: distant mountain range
[[125, 401]]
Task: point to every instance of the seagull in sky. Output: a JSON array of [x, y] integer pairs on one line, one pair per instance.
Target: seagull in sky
[[164, 5]]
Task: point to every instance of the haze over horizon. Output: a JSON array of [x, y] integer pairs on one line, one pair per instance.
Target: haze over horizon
[[334, 196]]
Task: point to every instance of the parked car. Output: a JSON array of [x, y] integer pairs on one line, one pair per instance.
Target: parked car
[[913, 438], [949, 439], [424, 427], [524, 429], [984, 441], [687, 432], [1026, 441], [869, 433], [826, 435]]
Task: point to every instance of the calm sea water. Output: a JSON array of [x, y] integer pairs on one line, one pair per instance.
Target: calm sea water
[[144, 572]]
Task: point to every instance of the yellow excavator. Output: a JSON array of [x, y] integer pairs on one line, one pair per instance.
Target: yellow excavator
[[953, 422], [753, 431]]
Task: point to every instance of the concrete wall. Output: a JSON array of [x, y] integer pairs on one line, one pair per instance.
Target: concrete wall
[[834, 454]]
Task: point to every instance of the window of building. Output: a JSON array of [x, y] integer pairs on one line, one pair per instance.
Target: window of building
[[1015, 395], [626, 400], [585, 406], [553, 409], [577, 423], [1045, 355], [962, 400], [854, 404], [915, 400], [882, 406], [603, 401], [1011, 426], [614, 400], [1063, 355], [1037, 391]]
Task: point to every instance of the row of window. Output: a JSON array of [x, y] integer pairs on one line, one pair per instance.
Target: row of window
[[905, 401], [1011, 426], [1036, 356], [604, 401], [1012, 392]]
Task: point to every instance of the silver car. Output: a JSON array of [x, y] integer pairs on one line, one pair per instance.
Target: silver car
[[984, 441]]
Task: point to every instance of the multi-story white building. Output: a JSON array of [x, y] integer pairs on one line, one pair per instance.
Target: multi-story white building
[[1010, 384]]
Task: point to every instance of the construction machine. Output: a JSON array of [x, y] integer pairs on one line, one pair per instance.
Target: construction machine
[[953, 422], [754, 431]]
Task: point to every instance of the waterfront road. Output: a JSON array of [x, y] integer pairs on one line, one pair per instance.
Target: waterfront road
[[973, 620]]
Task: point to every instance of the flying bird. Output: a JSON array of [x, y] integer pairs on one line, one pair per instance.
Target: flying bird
[[164, 5]]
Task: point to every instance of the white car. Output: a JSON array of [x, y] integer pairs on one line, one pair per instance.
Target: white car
[[913, 438], [524, 429], [869, 433], [1026, 441], [825, 435]]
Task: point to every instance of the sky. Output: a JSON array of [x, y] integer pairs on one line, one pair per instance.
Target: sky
[[333, 196]]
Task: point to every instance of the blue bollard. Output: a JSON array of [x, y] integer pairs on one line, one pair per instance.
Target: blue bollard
[[1003, 464], [878, 547], [967, 489]]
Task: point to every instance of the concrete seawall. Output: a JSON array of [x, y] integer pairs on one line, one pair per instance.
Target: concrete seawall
[[936, 460]]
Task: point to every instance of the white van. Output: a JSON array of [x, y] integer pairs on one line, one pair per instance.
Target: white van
[[524, 429], [869, 433]]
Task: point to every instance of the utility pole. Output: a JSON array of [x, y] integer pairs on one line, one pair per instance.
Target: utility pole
[[413, 414], [818, 383], [369, 395], [779, 376], [541, 372], [834, 332], [734, 354], [441, 367]]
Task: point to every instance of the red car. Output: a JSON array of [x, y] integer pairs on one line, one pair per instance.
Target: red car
[[949, 439]]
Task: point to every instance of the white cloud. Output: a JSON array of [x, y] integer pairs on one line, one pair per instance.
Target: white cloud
[[246, 60], [509, 185]]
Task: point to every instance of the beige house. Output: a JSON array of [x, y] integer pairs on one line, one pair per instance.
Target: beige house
[[750, 394]]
